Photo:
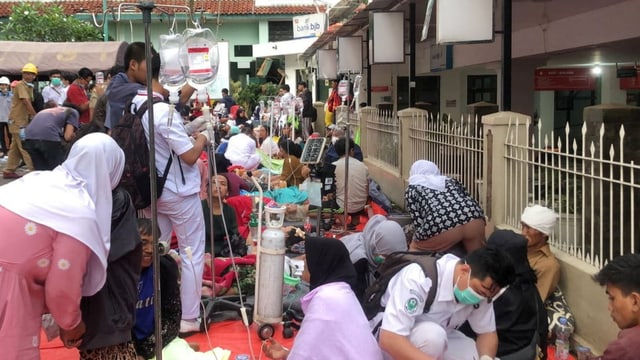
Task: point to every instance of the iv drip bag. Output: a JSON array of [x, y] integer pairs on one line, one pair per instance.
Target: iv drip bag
[[172, 75], [200, 50], [356, 85], [343, 89]]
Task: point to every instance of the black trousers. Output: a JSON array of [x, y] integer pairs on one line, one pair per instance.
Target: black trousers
[[45, 154], [5, 137]]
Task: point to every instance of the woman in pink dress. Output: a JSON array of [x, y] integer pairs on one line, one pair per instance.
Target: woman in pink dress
[[54, 242]]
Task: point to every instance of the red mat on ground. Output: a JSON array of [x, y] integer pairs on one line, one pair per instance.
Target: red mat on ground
[[230, 335]]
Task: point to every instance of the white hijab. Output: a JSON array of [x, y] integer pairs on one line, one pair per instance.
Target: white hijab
[[425, 173], [74, 199]]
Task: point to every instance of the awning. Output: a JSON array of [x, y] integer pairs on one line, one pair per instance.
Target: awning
[[357, 22], [63, 56]]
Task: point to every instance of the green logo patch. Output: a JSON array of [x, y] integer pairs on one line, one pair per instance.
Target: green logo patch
[[411, 306]]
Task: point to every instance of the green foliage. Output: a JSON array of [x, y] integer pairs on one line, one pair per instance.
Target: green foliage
[[249, 95], [45, 23]]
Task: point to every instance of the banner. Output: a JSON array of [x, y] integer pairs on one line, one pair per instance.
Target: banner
[[310, 25]]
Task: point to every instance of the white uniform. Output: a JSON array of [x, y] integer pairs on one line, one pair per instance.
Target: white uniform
[[55, 93], [434, 333], [179, 206]]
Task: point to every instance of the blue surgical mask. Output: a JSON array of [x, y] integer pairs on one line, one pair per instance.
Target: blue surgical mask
[[56, 81], [378, 259], [467, 296]]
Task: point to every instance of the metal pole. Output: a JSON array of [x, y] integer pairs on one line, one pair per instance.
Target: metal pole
[[347, 135], [146, 7], [105, 28], [412, 54], [506, 55]]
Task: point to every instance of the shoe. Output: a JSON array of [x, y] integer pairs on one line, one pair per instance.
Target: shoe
[[189, 327], [10, 175]]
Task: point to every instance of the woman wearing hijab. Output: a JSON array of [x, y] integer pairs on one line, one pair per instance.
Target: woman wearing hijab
[[521, 320], [445, 217], [54, 241], [367, 250], [334, 325]]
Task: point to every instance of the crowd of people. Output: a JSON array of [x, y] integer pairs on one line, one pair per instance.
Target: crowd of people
[[73, 246]]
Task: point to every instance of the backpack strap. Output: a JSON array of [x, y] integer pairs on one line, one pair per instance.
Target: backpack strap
[[392, 265], [139, 114], [427, 261]]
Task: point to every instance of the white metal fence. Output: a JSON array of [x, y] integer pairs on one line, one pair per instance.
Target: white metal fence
[[383, 138], [584, 176], [585, 179], [455, 146]]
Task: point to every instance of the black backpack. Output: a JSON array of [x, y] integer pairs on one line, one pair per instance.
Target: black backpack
[[130, 136], [389, 268]]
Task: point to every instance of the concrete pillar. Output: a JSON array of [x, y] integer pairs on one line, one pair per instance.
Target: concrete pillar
[[496, 128], [319, 124], [408, 157], [342, 115], [481, 109], [366, 116]]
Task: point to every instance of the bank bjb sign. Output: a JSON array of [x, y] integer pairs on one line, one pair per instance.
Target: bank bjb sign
[[306, 26]]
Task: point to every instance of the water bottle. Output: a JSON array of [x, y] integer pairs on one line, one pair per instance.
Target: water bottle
[[22, 134], [584, 353], [99, 77], [307, 225], [563, 333]]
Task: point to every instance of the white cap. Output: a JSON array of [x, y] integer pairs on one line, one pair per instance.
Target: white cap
[[4, 81]]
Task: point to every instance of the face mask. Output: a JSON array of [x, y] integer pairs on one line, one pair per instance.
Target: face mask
[[56, 81], [334, 139], [467, 296], [29, 84], [378, 259]]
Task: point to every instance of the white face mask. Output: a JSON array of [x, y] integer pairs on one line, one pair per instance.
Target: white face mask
[[334, 139]]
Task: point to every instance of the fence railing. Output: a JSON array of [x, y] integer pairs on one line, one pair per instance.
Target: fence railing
[[383, 138], [585, 176], [590, 186], [456, 146]]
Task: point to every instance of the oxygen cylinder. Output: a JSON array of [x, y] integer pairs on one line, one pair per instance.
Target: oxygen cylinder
[[270, 272]]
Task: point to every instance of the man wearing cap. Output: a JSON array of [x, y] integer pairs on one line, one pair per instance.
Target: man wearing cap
[[537, 224], [21, 113], [5, 107]]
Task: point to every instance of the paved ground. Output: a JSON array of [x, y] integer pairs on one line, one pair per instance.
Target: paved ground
[[3, 162]]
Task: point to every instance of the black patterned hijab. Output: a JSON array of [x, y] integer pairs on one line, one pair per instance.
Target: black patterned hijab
[[328, 261]]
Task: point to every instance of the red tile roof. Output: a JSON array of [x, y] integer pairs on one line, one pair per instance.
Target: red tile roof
[[226, 7]]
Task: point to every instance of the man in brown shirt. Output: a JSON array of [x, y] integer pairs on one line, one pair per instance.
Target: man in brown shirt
[[21, 113], [537, 224]]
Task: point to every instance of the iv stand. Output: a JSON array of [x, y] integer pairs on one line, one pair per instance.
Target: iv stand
[[146, 7]]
